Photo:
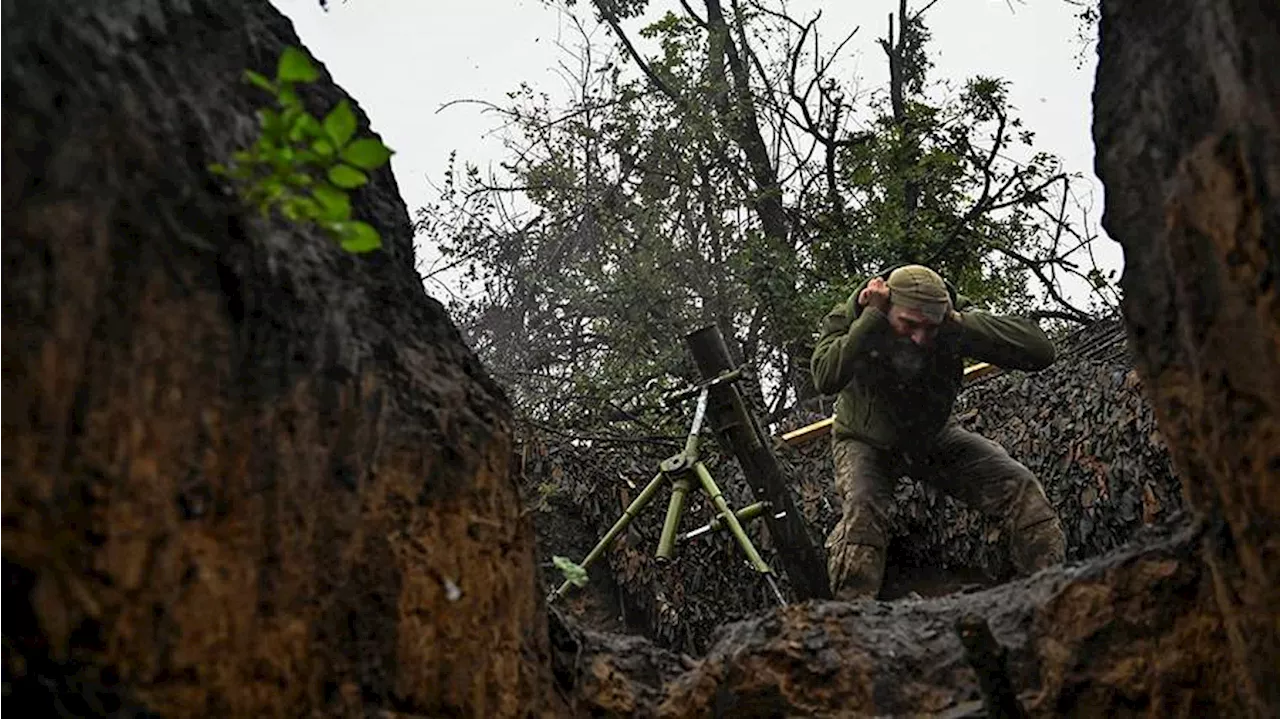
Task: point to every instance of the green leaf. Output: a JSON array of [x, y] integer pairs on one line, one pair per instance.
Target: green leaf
[[269, 121], [359, 237], [291, 211], [323, 147], [310, 127], [218, 168], [288, 99], [340, 124], [282, 161], [295, 66], [367, 154], [575, 574], [273, 188], [257, 78], [347, 177], [297, 208], [290, 118], [299, 124], [334, 204]]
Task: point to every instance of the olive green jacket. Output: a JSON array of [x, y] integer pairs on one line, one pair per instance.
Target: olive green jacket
[[876, 406]]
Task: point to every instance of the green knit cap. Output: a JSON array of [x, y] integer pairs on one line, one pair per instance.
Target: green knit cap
[[920, 288]]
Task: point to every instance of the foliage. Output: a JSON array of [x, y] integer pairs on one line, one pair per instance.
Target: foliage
[[725, 183], [935, 181], [1087, 14], [302, 166], [573, 573], [937, 158], [603, 280]]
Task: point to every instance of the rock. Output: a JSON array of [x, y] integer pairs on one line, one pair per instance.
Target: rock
[[245, 473]]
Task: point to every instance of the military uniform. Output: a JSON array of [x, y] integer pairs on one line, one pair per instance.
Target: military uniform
[[890, 423]]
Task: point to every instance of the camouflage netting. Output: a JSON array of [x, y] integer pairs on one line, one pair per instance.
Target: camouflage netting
[[1082, 426]]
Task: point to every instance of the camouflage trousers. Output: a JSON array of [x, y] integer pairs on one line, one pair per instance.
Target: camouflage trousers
[[967, 466]]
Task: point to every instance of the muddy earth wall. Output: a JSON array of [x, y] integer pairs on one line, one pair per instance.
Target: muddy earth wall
[[1187, 130], [245, 473]]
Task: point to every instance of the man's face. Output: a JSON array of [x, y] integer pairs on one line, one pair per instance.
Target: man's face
[[912, 324]]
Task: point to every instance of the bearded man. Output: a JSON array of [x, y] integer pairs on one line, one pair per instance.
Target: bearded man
[[894, 354]]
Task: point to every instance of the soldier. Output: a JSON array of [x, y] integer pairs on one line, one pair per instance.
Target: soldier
[[893, 353]]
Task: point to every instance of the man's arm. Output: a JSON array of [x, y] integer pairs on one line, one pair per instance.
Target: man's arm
[[843, 340], [1005, 341]]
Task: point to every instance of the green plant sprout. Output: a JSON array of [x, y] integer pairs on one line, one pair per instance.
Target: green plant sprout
[[573, 573], [304, 167]]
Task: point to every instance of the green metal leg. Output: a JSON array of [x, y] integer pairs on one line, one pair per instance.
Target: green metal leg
[[675, 510], [728, 517], [628, 514], [744, 515]]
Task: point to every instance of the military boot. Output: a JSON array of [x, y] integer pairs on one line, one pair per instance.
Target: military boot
[[856, 571], [1038, 546], [1036, 540]]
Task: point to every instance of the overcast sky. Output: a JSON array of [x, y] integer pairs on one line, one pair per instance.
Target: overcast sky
[[404, 59]]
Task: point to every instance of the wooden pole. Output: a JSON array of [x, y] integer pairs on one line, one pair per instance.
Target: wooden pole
[[737, 429], [822, 427]]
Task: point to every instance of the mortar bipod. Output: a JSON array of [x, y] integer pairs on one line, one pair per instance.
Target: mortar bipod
[[685, 471], [744, 515]]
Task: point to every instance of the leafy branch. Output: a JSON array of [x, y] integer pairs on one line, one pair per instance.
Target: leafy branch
[[304, 167]]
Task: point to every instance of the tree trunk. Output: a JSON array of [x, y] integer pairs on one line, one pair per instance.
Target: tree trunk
[[777, 294], [245, 473], [896, 50]]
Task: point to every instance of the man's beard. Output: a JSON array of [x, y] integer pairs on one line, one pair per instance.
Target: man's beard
[[907, 358]]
